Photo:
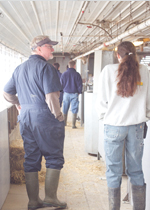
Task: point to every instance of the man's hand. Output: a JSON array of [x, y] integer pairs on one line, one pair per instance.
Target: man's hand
[[60, 117], [18, 108]]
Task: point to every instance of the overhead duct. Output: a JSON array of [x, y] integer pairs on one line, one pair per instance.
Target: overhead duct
[[120, 37]]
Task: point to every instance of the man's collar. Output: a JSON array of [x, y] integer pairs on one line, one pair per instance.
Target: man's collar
[[37, 56], [71, 69]]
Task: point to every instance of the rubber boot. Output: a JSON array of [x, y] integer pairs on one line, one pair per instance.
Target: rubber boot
[[114, 198], [65, 119], [51, 185], [139, 195], [32, 187], [74, 116]]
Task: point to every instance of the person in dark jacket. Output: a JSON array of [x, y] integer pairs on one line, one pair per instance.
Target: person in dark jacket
[[41, 122], [72, 86], [57, 67]]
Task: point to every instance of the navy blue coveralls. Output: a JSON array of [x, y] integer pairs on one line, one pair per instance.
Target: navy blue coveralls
[[42, 133]]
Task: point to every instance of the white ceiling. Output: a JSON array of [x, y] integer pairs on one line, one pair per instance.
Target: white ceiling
[[20, 21]]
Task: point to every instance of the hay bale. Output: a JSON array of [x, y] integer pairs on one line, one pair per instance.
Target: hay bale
[[16, 163], [42, 176], [17, 177]]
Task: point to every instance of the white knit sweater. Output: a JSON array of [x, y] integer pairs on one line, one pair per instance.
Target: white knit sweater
[[119, 111]]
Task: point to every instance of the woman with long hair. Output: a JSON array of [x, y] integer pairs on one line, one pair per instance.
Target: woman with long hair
[[124, 105]]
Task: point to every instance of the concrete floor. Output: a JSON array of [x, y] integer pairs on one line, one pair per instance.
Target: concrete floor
[[82, 183]]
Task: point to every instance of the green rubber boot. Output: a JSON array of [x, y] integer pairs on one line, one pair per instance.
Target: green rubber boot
[[139, 195], [32, 187], [74, 116], [51, 185], [114, 198], [65, 119]]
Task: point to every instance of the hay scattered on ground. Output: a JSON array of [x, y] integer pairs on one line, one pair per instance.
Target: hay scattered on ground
[[17, 153]]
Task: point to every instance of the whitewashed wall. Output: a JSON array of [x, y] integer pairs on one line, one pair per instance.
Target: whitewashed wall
[[63, 61], [4, 157]]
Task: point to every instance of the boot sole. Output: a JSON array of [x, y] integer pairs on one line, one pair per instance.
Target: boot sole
[[54, 205], [34, 208]]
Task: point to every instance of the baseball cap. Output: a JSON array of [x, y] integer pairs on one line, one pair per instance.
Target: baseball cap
[[44, 41]]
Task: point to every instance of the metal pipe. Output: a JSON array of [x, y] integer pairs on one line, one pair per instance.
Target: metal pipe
[[118, 38], [124, 17], [129, 32]]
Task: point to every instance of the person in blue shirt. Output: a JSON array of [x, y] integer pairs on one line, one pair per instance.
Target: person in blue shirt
[[57, 67], [38, 87], [72, 86]]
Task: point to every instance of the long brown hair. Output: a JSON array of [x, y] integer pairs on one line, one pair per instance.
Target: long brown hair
[[128, 72]]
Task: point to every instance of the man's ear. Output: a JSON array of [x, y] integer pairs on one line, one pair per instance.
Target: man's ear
[[38, 49]]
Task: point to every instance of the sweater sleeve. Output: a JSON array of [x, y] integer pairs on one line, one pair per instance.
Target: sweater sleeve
[[62, 80], [11, 98], [52, 100], [102, 96], [79, 83]]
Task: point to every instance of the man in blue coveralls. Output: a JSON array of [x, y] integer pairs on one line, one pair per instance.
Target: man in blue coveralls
[[72, 87], [41, 122]]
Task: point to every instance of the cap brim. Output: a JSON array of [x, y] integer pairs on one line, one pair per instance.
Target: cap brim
[[52, 42]]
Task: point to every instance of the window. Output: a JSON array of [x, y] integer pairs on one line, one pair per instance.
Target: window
[[10, 59]]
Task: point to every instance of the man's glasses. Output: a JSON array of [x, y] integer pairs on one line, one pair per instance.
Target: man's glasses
[[49, 46]]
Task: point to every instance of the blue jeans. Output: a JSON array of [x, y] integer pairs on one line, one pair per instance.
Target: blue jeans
[[114, 137], [70, 98]]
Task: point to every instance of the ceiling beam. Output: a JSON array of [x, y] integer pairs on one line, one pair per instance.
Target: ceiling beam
[[44, 14], [10, 44], [69, 21], [101, 10], [10, 31], [36, 15], [57, 18], [80, 14], [13, 22], [50, 18], [28, 16], [19, 17]]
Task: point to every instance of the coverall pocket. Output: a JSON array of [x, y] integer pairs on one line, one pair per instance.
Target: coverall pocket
[[58, 131]]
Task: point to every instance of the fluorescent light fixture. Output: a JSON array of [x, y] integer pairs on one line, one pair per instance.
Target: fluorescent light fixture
[[137, 43]]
